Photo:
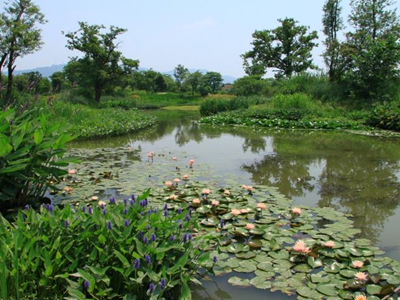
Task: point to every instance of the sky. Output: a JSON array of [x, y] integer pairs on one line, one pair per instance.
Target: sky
[[200, 34]]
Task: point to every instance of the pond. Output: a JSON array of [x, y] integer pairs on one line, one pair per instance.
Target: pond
[[352, 173]]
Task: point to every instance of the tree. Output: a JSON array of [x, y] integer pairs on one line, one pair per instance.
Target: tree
[[194, 80], [372, 50], [180, 74], [249, 85], [100, 67], [286, 48], [20, 35], [58, 81], [333, 23], [213, 80]]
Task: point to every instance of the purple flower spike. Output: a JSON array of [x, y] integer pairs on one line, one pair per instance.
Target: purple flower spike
[[86, 284], [153, 237], [185, 238], [125, 212], [222, 223], [133, 197], [132, 202], [147, 258], [112, 200], [140, 234], [66, 224], [180, 226], [84, 209], [172, 238], [50, 208], [27, 207], [127, 223], [187, 218], [145, 240], [163, 283], [179, 211], [151, 287], [215, 259], [109, 225], [90, 210], [148, 227], [165, 213], [104, 211], [136, 264], [190, 237], [125, 202]]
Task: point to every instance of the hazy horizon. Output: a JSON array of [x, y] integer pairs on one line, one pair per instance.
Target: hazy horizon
[[198, 34]]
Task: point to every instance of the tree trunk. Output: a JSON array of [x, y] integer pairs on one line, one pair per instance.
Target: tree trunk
[[98, 90], [10, 69]]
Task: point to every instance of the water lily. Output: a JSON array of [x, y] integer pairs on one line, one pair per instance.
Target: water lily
[[300, 246], [261, 205], [250, 226], [177, 180], [235, 212], [296, 210], [227, 192], [357, 264], [361, 276], [185, 177], [101, 204], [191, 162], [173, 197], [244, 211], [68, 189], [215, 203], [249, 188], [168, 183], [360, 297], [329, 244], [94, 198], [206, 191], [174, 159], [71, 172], [196, 201]]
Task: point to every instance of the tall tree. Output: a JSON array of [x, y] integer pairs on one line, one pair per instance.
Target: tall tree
[[286, 48], [180, 74], [19, 35], [100, 67], [333, 23], [213, 80], [372, 50], [194, 80]]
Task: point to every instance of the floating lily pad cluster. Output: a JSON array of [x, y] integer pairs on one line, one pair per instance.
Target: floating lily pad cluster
[[258, 236]]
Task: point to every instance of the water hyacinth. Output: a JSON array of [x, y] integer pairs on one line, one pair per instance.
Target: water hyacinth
[[86, 284], [153, 237], [147, 258], [84, 209], [66, 223], [132, 202], [151, 288], [127, 223], [112, 200], [215, 259], [145, 240], [136, 264], [104, 212], [172, 238], [140, 234], [222, 223], [27, 207], [163, 283], [125, 202], [125, 212], [50, 208], [185, 238], [109, 225], [90, 210]]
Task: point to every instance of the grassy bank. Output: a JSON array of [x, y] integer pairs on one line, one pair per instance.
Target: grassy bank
[[92, 122]]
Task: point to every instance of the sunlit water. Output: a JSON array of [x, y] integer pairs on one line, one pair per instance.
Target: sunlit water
[[352, 173]]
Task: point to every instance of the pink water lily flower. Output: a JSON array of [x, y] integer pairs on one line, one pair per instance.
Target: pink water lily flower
[[261, 205], [173, 197], [206, 191], [174, 159], [357, 264], [177, 180], [250, 226], [191, 162], [215, 203], [168, 183], [361, 297], [244, 187], [101, 203], [71, 172], [361, 276], [235, 212], [244, 211], [296, 210], [249, 188], [227, 192], [196, 201], [185, 177], [95, 198], [329, 244], [300, 246]]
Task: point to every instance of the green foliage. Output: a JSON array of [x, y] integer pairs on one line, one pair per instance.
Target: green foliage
[[385, 116], [90, 122], [180, 74], [286, 48], [249, 86], [213, 81], [19, 36], [194, 81], [100, 67], [294, 101], [115, 250], [31, 151], [214, 106]]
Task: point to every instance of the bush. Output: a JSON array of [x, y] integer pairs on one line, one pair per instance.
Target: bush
[[249, 85], [117, 250], [31, 154], [295, 101], [214, 106], [385, 116]]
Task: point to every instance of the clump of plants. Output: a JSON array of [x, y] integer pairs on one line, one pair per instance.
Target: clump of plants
[[122, 250], [31, 152], [385, 116]]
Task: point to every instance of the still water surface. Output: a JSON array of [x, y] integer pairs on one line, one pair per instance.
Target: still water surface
[[351, 173]]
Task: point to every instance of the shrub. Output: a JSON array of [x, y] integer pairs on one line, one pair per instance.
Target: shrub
[[385, 116], [295, 101], [249, 85], [214, 106], [31, 154], [116, 250]]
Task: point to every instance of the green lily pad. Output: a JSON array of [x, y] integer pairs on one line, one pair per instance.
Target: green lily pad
[[237, 281], [327, 289], [374, 289]]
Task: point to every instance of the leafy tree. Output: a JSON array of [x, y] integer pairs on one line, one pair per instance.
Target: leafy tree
[[213, 80], [100, 67], [372, 50], [333, 23], [58, 81], [249, 85], [180, 74], [19, 35], [194, 80], [286, 48]]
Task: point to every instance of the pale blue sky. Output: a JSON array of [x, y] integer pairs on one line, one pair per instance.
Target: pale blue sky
[[206, 34]]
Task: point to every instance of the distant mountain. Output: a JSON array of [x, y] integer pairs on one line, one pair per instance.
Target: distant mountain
[[48, 71], [45, 71]]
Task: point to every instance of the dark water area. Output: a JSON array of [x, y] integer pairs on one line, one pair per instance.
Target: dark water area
[[355, 174]]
